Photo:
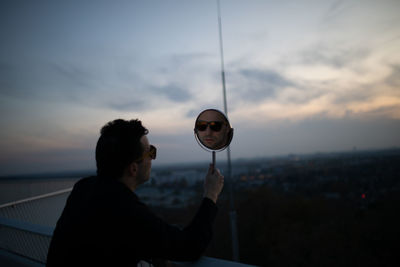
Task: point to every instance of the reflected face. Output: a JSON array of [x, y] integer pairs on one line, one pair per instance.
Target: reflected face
[[212, 129]]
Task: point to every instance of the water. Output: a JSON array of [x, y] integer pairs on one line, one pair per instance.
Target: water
[[17, 189]]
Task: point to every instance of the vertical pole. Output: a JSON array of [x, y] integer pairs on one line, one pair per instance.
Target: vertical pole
[[232, 213]]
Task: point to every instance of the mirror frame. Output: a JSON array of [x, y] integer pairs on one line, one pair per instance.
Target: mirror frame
[[230, 133]]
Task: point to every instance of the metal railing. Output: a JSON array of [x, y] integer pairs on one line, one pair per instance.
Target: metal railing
[[27, 225], [42, 210]]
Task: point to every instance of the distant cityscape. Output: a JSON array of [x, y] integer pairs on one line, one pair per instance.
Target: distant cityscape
[[361, 177]]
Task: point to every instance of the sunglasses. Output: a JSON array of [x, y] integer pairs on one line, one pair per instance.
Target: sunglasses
[[214, 125], [152, 153]]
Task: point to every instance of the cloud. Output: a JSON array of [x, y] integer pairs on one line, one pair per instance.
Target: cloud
[[324, 80], [173, 92], [255, 85], [394, 78], [116, 86], [46, 81], [337, 57], [312, 135], [16, 81], [81, 84], [334, 11], [184, 59], [127, 105], [74, 76]]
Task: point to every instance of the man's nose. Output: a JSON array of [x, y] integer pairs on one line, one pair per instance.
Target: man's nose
[[208, 130]]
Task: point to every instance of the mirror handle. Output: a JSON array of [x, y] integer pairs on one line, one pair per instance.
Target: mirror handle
[[213, 160]]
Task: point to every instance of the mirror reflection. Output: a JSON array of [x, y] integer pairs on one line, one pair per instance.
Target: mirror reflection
[[212, 129]]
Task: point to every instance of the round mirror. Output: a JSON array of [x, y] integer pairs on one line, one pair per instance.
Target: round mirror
[[213, 130]]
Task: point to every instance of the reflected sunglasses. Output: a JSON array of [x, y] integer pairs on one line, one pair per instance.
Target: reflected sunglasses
[[214, 125], [152, 153]]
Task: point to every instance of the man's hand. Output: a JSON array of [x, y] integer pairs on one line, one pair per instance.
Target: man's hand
[[213, 183]]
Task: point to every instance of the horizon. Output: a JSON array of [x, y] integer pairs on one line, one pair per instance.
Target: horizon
[[76, 173]]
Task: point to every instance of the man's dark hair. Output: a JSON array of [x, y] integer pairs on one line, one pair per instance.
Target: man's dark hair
[[119, 144]]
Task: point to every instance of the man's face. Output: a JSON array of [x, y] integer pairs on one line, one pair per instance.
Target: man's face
[[213, 139], [145, 164]]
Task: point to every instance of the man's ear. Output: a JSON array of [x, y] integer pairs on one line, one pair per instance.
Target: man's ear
[[133, 169]]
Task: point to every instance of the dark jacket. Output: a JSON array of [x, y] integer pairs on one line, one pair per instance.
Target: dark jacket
[[104, 223]]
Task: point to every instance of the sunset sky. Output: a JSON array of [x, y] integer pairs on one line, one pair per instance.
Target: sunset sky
[[301, 77]]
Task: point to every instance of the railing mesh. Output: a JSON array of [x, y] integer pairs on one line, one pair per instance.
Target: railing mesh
[[24, 243], [26, 225]]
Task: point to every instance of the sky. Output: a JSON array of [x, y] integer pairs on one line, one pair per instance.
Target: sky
[[301, 77]]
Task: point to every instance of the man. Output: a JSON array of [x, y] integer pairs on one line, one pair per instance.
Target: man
[[213, 129], [105, 224]]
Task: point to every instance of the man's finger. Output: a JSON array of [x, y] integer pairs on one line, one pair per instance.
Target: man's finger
[[211, 169]]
